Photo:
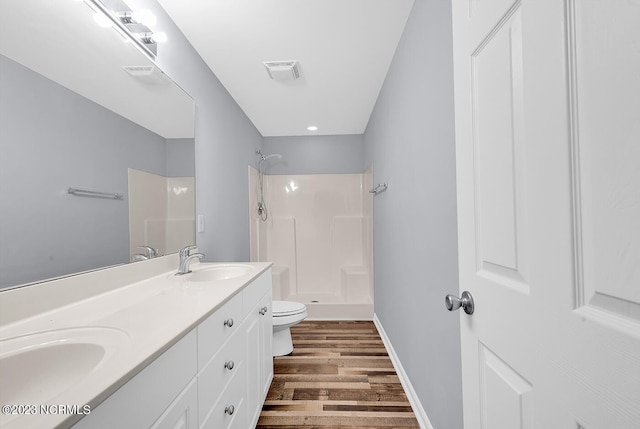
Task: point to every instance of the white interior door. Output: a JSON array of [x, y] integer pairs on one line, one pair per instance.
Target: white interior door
[[548, 159]]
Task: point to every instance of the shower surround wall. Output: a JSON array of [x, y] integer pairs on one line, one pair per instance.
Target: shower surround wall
[[161, 212], [318, 235]]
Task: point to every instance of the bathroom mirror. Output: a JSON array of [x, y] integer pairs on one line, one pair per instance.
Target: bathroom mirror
[[80, 107]]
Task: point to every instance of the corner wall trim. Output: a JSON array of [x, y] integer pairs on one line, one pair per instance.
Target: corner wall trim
[[421, 415]]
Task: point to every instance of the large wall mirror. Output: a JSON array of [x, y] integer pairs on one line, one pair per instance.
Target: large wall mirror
[[82, 108]]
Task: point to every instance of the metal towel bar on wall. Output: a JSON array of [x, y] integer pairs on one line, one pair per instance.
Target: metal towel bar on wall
[[94, 194], [381, 187]]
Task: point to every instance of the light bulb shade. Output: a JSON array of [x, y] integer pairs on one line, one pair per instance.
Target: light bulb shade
[[159, 37]]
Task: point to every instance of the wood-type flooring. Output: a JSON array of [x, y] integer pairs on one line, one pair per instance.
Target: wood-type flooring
[[338, 376]]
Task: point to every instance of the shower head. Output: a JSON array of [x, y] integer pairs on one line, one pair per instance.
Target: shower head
[[264, 157]]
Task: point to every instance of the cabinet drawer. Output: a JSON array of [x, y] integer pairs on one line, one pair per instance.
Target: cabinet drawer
[[213, 332], [216, 373], [231, 398], [256, 290]]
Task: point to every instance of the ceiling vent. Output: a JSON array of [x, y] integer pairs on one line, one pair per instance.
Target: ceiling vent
[[282, 70], [147, 74]]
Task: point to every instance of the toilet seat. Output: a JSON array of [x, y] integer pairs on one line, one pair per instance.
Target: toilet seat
[[287, 308]]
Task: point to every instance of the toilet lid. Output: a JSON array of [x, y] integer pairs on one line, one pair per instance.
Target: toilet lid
[[287, 308]]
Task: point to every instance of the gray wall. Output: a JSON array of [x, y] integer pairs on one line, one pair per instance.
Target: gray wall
[[226, 142], [52, 139], [315, 154], [180, 155], [410, 140]]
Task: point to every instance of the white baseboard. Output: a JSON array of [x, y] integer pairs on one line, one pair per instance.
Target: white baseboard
[[421, 415]]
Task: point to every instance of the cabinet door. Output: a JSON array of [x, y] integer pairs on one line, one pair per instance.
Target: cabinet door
[[183, 412], [254, 385], [140, 402], [266, 348], [259, 356]]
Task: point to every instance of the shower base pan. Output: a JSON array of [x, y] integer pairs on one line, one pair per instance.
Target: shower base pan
[[329, 308]]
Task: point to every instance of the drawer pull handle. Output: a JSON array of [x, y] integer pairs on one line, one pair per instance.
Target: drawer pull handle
[[229, 365], [228, 322], [263, 311], [229, 410]]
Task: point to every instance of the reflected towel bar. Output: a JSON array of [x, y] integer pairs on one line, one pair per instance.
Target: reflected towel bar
[[94, 194], [380, 188]]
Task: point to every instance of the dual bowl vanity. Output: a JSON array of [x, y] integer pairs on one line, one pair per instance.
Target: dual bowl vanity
[[137, 346]]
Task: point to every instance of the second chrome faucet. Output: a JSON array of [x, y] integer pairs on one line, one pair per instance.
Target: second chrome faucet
[[186, 256]]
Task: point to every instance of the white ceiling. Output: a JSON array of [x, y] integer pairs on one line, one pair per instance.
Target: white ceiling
[[344, 49]]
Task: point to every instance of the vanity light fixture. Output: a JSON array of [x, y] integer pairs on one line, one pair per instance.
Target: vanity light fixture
[[134, 25], [312, 128]]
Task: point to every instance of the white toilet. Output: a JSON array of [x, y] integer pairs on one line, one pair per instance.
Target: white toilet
[[285, 315]]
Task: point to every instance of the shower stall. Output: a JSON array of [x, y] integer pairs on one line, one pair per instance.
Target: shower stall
[[317, 230]]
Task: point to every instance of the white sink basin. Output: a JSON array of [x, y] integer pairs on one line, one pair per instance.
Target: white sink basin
[[38, 367], [219, 272]]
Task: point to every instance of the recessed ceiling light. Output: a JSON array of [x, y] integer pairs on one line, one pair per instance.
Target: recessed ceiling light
[[312, 128]]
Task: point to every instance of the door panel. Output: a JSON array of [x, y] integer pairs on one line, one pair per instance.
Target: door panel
[[498, 145], [506, 395], [605, 48]]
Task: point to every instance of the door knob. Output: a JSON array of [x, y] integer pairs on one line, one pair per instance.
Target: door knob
[[465, 301]]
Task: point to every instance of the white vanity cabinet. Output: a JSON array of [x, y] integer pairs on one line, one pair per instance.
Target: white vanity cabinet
[[217, 376]]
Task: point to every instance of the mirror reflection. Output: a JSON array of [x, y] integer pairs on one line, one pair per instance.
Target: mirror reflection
[[80, 108]]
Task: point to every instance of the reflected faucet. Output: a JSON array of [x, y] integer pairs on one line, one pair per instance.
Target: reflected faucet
[[186, 257], [149, 251]]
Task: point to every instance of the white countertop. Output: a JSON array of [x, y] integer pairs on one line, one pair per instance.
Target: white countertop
[[151, 315]]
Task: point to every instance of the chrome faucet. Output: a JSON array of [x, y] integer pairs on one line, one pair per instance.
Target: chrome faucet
[[185, 252], [150, 251], [185, 258]]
